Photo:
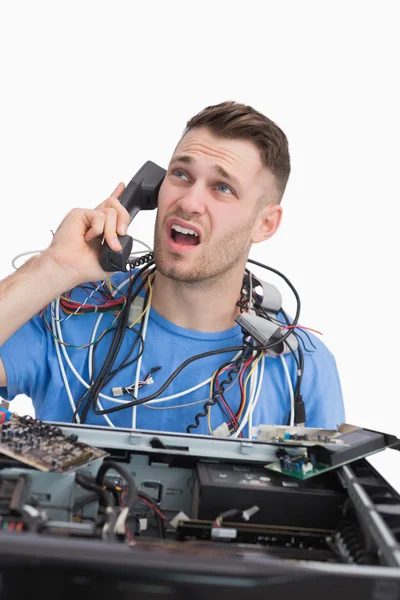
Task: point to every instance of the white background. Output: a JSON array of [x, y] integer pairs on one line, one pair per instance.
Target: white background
[[90, 90]]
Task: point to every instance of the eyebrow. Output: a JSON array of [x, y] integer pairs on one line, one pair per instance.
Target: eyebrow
[[188, 160]]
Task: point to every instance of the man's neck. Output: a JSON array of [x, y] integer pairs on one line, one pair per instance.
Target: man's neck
[[201, 307]]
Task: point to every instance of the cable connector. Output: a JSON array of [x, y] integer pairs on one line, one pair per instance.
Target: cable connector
[[222, 431], [181, 517], [299, 411], [143, 523], [154, 370], [118, 391], [247, 514]]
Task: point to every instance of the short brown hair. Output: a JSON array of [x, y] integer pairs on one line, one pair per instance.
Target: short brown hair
[[238, 121]]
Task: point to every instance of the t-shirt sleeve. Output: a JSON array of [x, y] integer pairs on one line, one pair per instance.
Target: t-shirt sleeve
[[24, 356], [322, 393]]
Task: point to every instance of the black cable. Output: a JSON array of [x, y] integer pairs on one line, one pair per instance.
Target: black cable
[[115, 344], [79, 404], [142, 260], [300, 362], [296, 295], [259, 306], [176, 373], [137, 402], [132, 491], [159, 521], [309, 339], [268, 318], [124, 364], [299, 406], [120, 368], [213, 400], [88, 484], [304, 344], [110, 357], [120, 332]]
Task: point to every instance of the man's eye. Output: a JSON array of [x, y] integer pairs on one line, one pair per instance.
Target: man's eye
[[179, 173], [225, 189]]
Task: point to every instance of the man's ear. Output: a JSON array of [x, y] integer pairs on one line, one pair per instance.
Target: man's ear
[[267, 223]]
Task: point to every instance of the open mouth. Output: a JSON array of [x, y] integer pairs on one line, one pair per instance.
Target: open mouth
[[184, 236]]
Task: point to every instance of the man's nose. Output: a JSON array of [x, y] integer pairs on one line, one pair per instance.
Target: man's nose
[[193, 199]]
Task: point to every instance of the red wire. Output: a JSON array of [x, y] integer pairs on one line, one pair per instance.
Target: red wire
[[145, 501], [301, 327], [223, 399], [242, 372], [153, 507]]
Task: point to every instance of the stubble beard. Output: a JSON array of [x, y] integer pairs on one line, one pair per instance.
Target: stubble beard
[[213, 266]]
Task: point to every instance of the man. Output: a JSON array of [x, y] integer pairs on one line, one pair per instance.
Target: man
[[221, 194]]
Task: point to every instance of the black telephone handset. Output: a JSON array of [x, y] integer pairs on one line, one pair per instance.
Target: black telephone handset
[[141, 193]]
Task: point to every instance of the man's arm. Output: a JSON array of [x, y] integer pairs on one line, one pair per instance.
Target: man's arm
[[3, 376], [71, 259], [26, 292]]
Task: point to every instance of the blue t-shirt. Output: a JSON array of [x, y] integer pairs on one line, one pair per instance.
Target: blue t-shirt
[[33, 368]]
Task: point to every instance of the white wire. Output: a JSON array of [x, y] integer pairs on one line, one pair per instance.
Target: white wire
[[13, 260], [109, 398], [138, 367], [252, 401], [170, 397], [155, 401], [192, 389], [81, 305], [253, 380], [65, 353], [291, 393], [178, 395], [23, 254], [119, 526], [143, 244], [104, 396], [64, 375], [176, 405]]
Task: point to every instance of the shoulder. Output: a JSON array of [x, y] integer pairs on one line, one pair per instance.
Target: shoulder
[[321, 388]]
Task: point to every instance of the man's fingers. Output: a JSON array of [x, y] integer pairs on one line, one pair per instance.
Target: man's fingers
[[96, 226], [123, 217], [118, 190], [110, 229]]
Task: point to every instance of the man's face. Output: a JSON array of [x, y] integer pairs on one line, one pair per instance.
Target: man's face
[[207, 207]]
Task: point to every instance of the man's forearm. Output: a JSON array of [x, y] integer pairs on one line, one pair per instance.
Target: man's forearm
[[28, 290]]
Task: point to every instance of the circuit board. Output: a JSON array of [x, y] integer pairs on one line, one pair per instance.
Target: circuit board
[[304, 452], [301, 466], [44, 446], [306, 465], [303, 436]]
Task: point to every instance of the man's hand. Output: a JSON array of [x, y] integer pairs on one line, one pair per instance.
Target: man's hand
[[77, 242]]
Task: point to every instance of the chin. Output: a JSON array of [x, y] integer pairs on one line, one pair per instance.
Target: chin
[[178, 272]]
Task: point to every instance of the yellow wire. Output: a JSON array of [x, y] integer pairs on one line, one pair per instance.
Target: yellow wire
[[245, 385], [244, 389], [110, 286], [150, 279]]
